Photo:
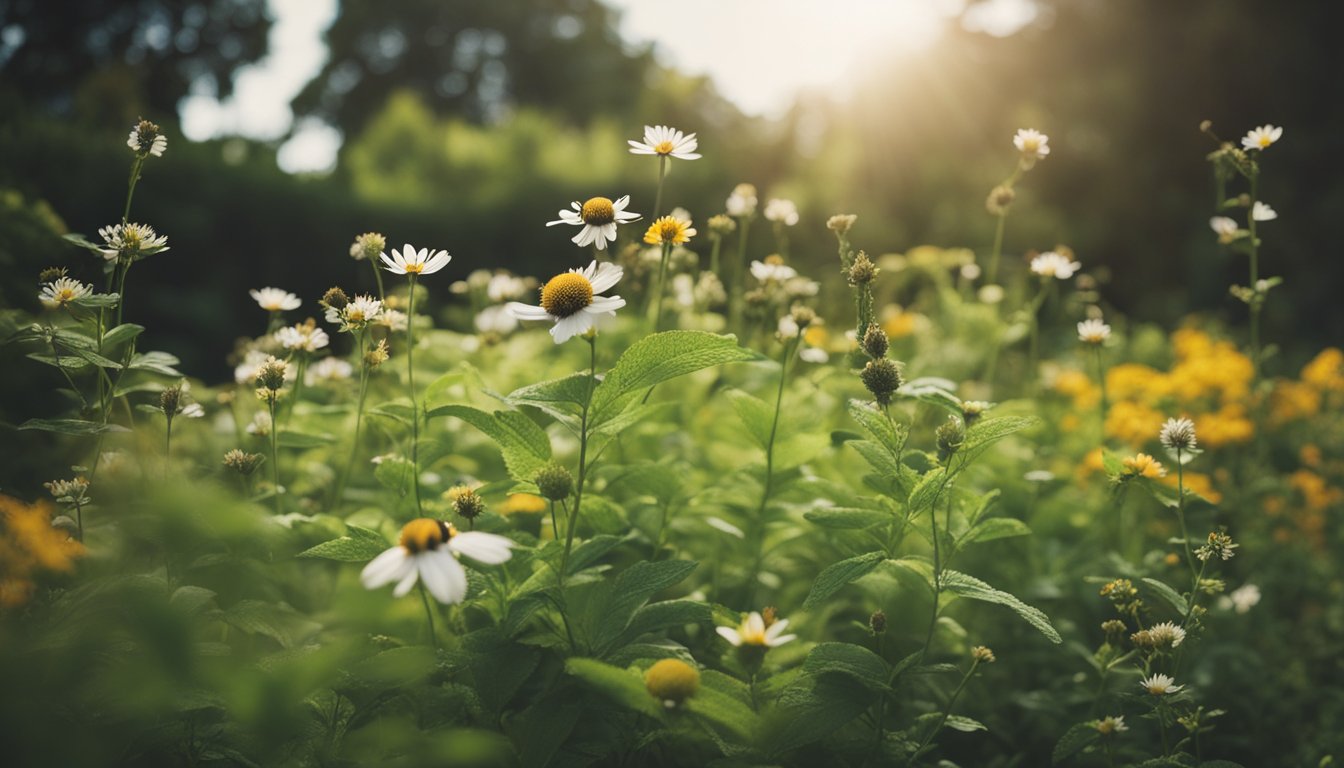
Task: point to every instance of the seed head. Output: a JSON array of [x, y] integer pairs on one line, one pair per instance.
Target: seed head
[[1178, 435], [882, 377], [50, 274], [949, 438], [169, 400], [555, 482], [878, 622], [972, 410], [466, 502], [335, 298], [1114, 629], [368, 246], [875, 341], [271, 375], [999, 199], [982, 654], [721, 225], [242, 462], [863, 271]]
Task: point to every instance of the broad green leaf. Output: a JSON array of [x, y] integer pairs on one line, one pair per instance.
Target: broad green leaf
[[878, 424], [996, 528], [965, 724], [632, 589], [879, 458], [626, 687], [839, 574], [986, 431], [98, 300], [590, 551], [71, 426], [813, 710], [851, 660], [931, 486], [656, 617], [562, 399], [278, 622], [155, 362], [95, 358], [122, 333], [524, 444], [970, 587], [1170, 596], [847, 518], [756, 414], [659, 357], [724, 702], [1074, 741], [359, 545]]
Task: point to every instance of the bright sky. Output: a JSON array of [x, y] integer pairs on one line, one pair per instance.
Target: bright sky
[[759, 52]]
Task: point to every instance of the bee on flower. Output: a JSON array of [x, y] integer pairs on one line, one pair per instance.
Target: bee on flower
[[572, 300], [428, 551], [665, 141], [598, 216]]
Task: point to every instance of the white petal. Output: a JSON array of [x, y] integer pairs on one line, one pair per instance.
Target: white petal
[[729, 634], [389, 566], [392, 266], [604, 276], [605, 305], [569, 327], [755, 624], [776, 628], [619, 205], [777, 641], [586, 237], [527, 311], [444, 577], [437, 262], [405, 584], [486, 548]]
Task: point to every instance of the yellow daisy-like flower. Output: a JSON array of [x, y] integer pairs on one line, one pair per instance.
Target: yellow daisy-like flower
[[1143, 465], [669, 230], [571, 300]]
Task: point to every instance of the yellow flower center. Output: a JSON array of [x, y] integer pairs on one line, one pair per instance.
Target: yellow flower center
[[65, 295], [424, 534], [1264, 140], [566, 294], [667, 229], [750, 635], [663, 147], [598, 211], [415, 268], [774, 259], [1031, 144]]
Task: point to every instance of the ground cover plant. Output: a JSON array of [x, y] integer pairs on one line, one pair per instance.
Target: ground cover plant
[[676, 503]]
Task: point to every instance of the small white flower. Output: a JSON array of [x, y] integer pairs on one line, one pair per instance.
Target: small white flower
[[146, 138], [1225, 228], [304, 337], [665, 141], [1039, 476], [1159, 685], [505, 287], [1051, 264], [742, 202], [412, 262], [1032, 143], [275, 299], [768, 271], [192, 411], [598, 216], [357, 313], [393, 319], [260, 425], [328, 369], [1242, 599], [990, 294], [781, 212], [1093, 331], [1111, 724], [1262, 137], [130, 242], [62, 291], [497, 319], [753, 631], [1166, 635], [1262, 212], [428, 551], [571, 300], [814, 355], [1178, 434]]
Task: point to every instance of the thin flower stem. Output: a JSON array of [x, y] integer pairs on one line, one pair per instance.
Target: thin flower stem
[[130, 188], [429, 615], [1256, 297], [359, 417], [992, 277], [168, 446], [658, 200], [947, 712], [716, 245], [662, 287], [739, 275], [410, 379], [573, 521], [1180, 515], [937, 563], [785, 356], [79, 521], [275, 453], [1105, 403], [378, 278]]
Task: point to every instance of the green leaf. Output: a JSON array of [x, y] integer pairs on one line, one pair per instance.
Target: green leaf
[[930, 487], [156, 362], [632, 589], [996, 528], [878, 424], [625, 687], [656, 617], [970, 587], [847, 518], [524, 444], [756, 414], [986, 431], [879, 458], [98, 300], [724, 702], [562, 399], [122, 333], [851, 660], [965, 724], [71, 426], [659, 357], [839, 574], [1074, 741], [809, 712], [590, 551], [292, 438], [359, 545], [1170, 596]]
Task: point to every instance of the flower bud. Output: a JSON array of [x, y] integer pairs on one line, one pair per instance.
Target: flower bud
[[335, 298], [863, 271], [242, 462], [875, 341], [949, 438], [555, 482], [999, 199], [169, 400], [983, 655], [878, 622], [466, 502], [841, 223], [882, 377], [672, 681]]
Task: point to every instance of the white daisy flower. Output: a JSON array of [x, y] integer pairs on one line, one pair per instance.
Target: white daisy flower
[[130, 242], [428, 551], [571, 300], [782, 212], [62, 291], [1262, 137], [598, 216], [1051, 264], [394, 319], [1159, 685], [1032, 143], [814, 355], [665, 141], [1111, 724], [1225, 228], [146, 138], [1093, 331], [192, 411], [260, 425], [1262, 212], [327, 370], [742, 202], [358, 312], [246, 371], [754, 632], [1166, 635], [303, 337], [497, 319], [766, 271], [413, 262], [275, 299]]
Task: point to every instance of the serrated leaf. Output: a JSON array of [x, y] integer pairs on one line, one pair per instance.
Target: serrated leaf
[[986, 431], [562, 399], [851, 660], [1170, 596], [622, 686], [71, 426], [927, 491], [1074, 741], [757, 415], [359, 545], [879, 458], [847, 518], [808, 712], [524, 445], [667, 614], [839, 574], [155, 362], [659, 357], [962, 585], [996, 528], [883, 430], [632, 589], [589, 551]]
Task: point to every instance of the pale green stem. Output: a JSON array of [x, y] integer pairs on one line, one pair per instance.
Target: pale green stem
[[429, 615], [1180, 515], [662, 287], [415, 409], [573, 521], [784, 359], [275, 452], [658, 201]]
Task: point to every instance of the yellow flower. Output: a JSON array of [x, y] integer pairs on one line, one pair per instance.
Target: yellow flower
[[29, 545], [669, 230], [1293, 400], [1143, 465], [672, 681], [1079, 386], [1133, 423], [1197, 483], [1326, 370], [522, 503], [1317, 494], [1131, 381]]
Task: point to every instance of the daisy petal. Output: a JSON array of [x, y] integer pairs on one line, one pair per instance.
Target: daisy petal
[[387, 567], [485, 548]]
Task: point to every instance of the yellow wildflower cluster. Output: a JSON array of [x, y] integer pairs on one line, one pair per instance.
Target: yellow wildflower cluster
[[1303, 399], [29, 545]]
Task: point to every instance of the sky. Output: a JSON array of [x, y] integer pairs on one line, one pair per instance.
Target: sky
[[760, 53]]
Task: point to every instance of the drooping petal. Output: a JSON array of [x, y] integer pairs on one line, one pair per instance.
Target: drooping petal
[[444, 577], [436, 262], [391, 265], [569, 327], [604, 276], [405, 584], [605, 305], [527, 311], [387, 567], [729, 634], [486, 548], [586, 237]]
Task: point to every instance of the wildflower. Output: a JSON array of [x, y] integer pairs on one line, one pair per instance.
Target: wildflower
[[522, 504], [271, 378], [1225, 228], [972, 410], [1219, 545], [875, 342], [377, 354], [669, 230], [1166, 635], [275, 299], [302, 337], [260, 426], [367, 246], [1242, 599], [756, 631], [999, 199], [466, 501], [413, 262], [333, 301], [1261, 211], [1052, 264], [68, 491], [169, 399], [1033, 144], [990, 294], [882, 377], [428, 550], [242, 462], [1178, 435], [145, 139], [1093, 331], [981, 654], [30, 544], [863, 271], [598, 216], [328, 369], [949, 437], [1143, 465], [672, 681], [571, 300], [1113, 628], [1159, 685], [503, 287], [495, 320], [130, 242], [62, 292], [772, 269], [841, 223], [555, 482], [742, 202], [1111, 724], [665, 141], [721, 225], [781, 211], [1262, 137]]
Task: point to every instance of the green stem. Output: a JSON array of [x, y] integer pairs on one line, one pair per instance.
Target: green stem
[[738, 276], [937, 563], [992, 277], [1101, 380], [1256, 297], [415, 410], [429, 615], [378, 278], [784, 359], [716, 245], [573, 521], [662, 287], [947, 712], [130, 188], [168, 446], [275, 453], [658, 201], [1180, 515], [359, 417]]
